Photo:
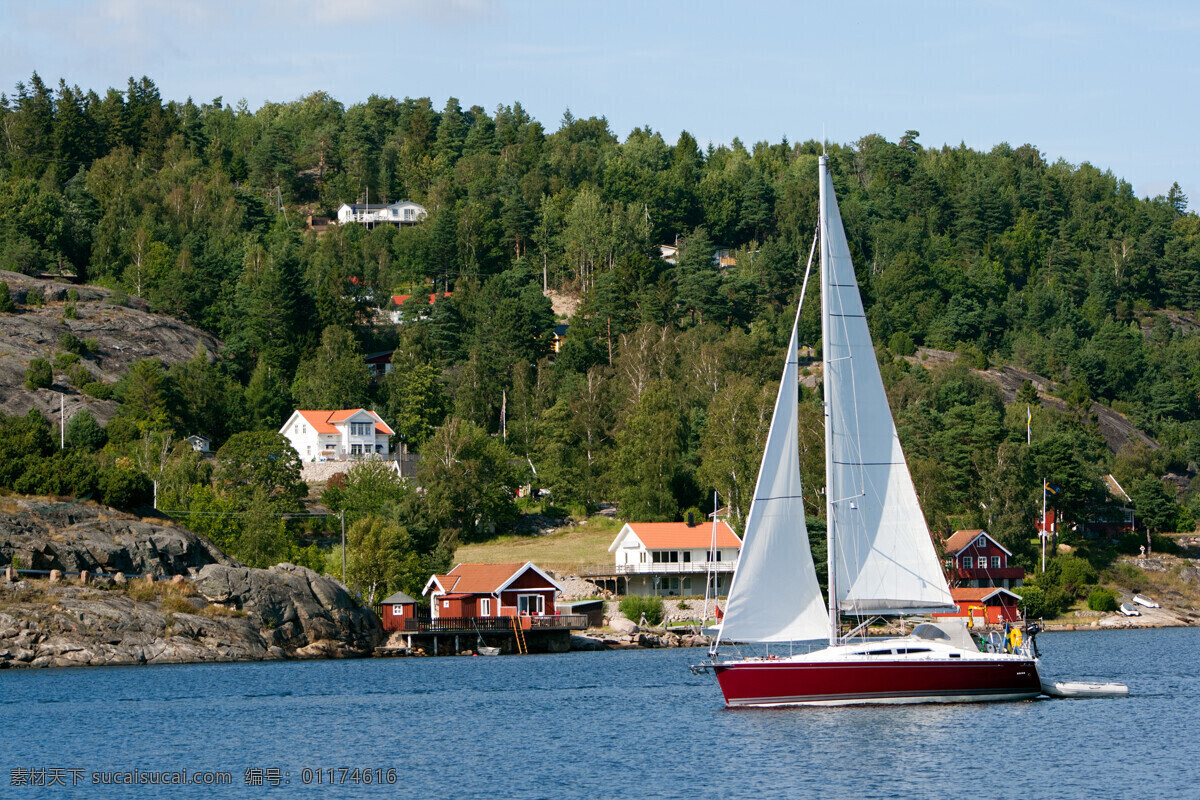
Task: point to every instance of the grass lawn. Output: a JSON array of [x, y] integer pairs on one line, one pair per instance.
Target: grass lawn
[[571, 546]]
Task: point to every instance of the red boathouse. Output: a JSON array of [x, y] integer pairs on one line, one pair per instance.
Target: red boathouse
[[492, 590]]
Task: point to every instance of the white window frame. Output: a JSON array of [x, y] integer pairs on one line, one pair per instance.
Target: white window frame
[[967, 562], [995, 562], [397, 610], [485, 606], [981, 541]]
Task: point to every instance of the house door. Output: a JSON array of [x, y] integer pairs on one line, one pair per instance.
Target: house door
[[531, 604]]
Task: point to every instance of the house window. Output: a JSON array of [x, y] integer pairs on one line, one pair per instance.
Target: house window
[[687, 584], [967, 562], [356, 449], [981, 542], [687, 556], [445, 604], [643, 559], [656, 557], [308, 450], [397, 611], [531, 604], [485, 606], [995, 562]]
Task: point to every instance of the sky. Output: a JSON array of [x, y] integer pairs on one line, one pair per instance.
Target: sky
[[1101, 82]]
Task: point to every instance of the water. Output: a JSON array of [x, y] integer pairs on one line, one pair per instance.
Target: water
[[603, 725]]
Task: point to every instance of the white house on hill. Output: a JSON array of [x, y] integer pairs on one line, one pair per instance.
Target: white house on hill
[[402, 213], [350, 433], [673, 558]]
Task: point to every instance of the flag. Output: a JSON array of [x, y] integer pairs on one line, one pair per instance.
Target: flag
[[1051, 488], [1028, 425]]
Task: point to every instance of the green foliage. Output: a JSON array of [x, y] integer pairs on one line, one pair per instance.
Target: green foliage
[[124, 487], [336, 376], [69, 311], [72, 344], [1000, 256], [375, 557], [84, 432], [468, 481], [263, 539], [260, 462], [97, 389], [1075, 574], [369, 488], [34, 297], [65, 473], [6, 303], [1102, 599], [634, 606], [39, 375], [1035, 604]]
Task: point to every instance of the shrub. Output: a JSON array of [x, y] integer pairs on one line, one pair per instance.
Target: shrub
[[84, 432], [72, 295], [64, 360], [119, 298], [97, 389], [1075, 574], [65, 473], [1037, 602], [124, 488], [6, 304], [1102, 599], [121, 429], [634, 606], [902, 344], [78, 375], [39, 375], [69, 311], [35, 298], [72, 343], [1127, 576]]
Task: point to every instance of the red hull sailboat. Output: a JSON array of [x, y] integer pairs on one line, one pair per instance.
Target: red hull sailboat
[[881, 559]]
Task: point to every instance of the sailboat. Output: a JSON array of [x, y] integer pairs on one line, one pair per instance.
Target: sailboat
[[882, 561]]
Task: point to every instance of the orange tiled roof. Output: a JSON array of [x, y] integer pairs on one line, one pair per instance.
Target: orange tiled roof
[[322, 420], [969, 595], [961, 540], [664, 535], [480, 578]]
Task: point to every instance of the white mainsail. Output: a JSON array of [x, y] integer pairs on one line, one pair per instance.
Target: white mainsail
[[880, 545], [775, 596]]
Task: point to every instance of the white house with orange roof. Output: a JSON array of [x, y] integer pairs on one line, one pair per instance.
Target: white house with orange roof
[[347, 434], [673, 558]]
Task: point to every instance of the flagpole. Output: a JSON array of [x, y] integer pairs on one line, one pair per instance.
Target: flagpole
[[1044, 532]]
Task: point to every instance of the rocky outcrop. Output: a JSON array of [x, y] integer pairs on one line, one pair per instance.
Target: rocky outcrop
[[120, 330], [297, 606], [221, 610], [72, 537]]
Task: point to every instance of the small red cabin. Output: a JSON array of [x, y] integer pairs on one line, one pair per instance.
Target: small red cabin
[[395, 609], [491, 590], [995, 606]]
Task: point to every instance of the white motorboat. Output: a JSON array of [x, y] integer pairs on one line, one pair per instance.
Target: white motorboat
[[1142, 600], [1129, 610], [1082, 689]]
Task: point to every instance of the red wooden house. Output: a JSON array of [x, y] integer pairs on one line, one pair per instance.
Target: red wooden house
[[976, 560], [491, 590], [395, 609], [995, 606]]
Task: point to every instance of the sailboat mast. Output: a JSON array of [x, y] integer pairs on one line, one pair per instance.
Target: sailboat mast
[[831, 554]]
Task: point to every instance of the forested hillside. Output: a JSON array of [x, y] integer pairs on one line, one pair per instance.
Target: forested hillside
[[663, 388]]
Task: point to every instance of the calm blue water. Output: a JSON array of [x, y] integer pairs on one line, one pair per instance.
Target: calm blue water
[[605, 725]]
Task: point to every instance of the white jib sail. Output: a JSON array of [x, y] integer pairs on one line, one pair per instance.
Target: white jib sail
[[885, 559], [775, 596]]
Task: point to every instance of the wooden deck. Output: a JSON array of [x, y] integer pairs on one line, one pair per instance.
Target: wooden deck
[[555, 622]]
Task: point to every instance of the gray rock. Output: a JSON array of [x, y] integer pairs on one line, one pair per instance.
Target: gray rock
[[586, 643], [623, 626], [75, 538]]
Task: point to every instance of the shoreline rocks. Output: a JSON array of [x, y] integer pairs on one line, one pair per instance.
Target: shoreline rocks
[[204, 606]]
